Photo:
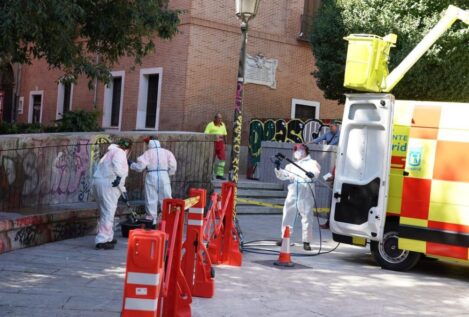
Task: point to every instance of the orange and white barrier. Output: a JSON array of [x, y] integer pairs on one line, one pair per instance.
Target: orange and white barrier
[[196, 263], [145, 269], [176, 294], [284, 258], [223, 245], [161, 279]]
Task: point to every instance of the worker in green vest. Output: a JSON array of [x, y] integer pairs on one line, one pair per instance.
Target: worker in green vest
[[218, 128]]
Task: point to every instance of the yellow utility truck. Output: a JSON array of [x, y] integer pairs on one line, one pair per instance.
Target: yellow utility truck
[[402, 170]]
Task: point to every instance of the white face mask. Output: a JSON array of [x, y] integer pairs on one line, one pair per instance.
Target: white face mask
[[298, 155]]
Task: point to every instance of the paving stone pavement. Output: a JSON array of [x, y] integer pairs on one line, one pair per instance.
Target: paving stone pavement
[[70, 278]]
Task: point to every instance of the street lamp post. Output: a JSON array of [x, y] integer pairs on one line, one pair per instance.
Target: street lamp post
[[245, 11]]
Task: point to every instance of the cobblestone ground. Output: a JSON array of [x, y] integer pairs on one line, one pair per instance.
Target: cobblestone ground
[[70, 278]]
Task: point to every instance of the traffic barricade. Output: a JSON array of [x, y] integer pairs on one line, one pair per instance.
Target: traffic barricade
[[175, 297], [223, 245], [196, 263], [144, 272]]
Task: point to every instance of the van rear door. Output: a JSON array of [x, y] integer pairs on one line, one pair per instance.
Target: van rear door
[[362, 168]]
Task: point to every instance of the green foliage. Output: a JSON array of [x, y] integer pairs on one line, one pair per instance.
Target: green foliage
[[78, 121], [20, 128], [70, 34], [72, 121], [441, 74]]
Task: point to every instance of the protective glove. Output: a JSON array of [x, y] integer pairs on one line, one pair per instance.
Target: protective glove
[[116, 182], [277, 164], [130, 162], [125, 197]]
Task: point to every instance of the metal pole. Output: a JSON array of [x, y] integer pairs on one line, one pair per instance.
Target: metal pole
[[238, 114]]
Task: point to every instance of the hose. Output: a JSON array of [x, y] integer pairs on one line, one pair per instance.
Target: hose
[[274, 252]]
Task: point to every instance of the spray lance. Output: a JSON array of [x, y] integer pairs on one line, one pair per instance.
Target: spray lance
[[251, 246], [279, 157]]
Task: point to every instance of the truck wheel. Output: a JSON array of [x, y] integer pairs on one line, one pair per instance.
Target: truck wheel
[[389, 256]]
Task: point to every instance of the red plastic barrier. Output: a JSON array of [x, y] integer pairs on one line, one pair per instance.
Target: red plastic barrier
[[144, 273], [223, 245], [176, 295], [196, 263]]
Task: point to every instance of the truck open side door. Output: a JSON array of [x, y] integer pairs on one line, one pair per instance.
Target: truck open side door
[[362, 168]]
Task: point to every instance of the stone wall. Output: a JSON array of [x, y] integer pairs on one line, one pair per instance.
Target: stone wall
[[51, 169]]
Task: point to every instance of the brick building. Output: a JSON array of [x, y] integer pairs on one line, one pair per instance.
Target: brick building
[[193, 76]]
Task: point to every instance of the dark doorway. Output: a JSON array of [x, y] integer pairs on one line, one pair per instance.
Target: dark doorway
[[7, 81], [152, 100], [37, 104], [67, 97], [116, 101]]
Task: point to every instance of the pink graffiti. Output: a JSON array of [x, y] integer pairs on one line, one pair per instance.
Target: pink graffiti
[[69, 167]]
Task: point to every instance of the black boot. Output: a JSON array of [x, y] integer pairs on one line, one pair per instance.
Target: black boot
[[105, 246], [306, 246]]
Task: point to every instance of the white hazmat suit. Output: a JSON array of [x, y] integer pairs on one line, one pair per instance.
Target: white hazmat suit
[[300, 195], [113, 164], [159, 164]]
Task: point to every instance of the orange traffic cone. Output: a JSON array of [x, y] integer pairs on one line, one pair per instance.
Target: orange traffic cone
[[284, 258]]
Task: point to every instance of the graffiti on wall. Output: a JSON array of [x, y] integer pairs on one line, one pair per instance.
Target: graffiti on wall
[[48, 171], [280, 130], [51, 170], [28, 236], [39, 171], [68, 230]]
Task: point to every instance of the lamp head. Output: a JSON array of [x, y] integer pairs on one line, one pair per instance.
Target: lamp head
[[246, 9]]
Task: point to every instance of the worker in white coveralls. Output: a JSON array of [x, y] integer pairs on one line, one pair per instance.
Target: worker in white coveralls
[[108, 186], [159, 164], [300, 197]]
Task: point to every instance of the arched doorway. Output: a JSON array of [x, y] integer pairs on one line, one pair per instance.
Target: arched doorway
[[7, 83]]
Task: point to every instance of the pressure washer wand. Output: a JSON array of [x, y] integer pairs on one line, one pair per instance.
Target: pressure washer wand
[[280, 156]]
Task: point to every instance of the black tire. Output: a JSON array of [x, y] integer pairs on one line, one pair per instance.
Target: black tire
[[388, 256]]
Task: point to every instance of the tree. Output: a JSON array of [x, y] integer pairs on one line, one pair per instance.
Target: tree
[[441, 74], [82, 37]]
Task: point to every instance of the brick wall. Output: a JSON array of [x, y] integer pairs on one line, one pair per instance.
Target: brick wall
[[200, 66]]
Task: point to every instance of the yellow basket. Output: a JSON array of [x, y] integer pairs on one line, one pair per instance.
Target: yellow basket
[[367, 61]]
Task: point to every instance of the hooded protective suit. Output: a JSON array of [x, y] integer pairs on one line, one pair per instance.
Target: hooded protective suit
[[112, 165], [159, 163], [300, 195]]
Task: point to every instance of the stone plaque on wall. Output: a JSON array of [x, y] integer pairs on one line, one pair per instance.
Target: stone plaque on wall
[[260, 70]]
